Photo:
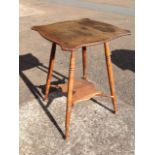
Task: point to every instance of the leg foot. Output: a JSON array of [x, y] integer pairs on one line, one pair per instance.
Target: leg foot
[[110, 75], [50, 71], [70, 93]]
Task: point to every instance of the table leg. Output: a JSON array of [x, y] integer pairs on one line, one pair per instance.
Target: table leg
[[50, 70], [70, 92], [84, 61], [110, 75]]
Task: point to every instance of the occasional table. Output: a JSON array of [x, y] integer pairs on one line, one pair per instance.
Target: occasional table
[[71, 35]]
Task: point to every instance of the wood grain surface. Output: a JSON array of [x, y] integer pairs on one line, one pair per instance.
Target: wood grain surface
[[78, 33]]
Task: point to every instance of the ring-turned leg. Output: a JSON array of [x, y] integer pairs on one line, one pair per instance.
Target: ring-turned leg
[[84, 61], [50, 71], [70, 93], [110, 75]]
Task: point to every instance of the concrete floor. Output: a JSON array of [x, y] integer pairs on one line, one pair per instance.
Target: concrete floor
[[94, 129]]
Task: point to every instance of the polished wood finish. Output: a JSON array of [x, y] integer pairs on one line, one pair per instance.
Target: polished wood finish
[[50, 71], [110, 75], [84, 62], [70, 92], [78, 33]]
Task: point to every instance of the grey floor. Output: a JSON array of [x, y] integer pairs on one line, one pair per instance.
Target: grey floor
[[94, 129]]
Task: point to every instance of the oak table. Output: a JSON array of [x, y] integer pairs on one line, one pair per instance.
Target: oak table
[[71, 35]]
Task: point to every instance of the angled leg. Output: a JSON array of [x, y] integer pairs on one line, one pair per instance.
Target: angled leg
[[110, 75], [70, 93], [84, 61], [50, 70]]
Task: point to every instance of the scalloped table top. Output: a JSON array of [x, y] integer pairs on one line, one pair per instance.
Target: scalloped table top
[[78, 33]]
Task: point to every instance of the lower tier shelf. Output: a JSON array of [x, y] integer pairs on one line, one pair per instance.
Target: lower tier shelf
[[82, 90]]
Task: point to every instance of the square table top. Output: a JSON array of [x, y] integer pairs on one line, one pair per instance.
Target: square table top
[[78, 33]]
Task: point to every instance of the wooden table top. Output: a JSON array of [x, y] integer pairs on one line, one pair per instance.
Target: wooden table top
[[78, 33]]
